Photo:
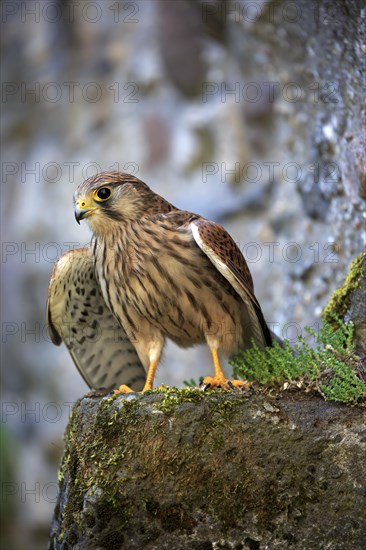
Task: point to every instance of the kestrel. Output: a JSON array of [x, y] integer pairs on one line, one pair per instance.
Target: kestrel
[[152, 272]]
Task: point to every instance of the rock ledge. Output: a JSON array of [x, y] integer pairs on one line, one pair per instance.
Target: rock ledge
[[185, 469]]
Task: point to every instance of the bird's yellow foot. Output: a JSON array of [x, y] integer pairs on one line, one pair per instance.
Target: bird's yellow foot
[[127, 389], [122, 389], [222, 383]]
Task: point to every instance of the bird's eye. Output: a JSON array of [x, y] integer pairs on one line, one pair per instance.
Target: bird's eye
[[102, 194]]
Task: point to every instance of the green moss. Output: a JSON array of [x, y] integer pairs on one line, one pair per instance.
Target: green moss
[[174, 397], [333, 368], [339, 303]]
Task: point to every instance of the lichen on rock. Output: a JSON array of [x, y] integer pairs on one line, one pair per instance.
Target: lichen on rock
[[349, 302]]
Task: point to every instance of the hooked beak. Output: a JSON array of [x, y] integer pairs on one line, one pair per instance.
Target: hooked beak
[[82, 210]]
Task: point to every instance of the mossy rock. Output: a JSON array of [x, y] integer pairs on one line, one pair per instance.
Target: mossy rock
[[185, 469], [349, 303]]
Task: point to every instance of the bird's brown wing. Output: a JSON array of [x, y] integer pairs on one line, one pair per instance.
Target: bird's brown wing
[[78, 315], [226, 256]]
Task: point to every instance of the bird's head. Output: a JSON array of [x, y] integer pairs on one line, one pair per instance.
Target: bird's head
[[111, 196]]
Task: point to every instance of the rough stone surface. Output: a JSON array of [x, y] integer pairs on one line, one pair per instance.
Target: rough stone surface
[[187, 470]]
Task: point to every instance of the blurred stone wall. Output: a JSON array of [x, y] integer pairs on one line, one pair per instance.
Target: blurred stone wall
[[250, 113]]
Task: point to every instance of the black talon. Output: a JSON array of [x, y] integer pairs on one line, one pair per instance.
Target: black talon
[[231, 385]]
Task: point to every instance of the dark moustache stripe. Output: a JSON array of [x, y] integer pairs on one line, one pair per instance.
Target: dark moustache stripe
[[113, 214]]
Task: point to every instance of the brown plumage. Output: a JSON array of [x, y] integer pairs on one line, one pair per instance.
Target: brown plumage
[[163, 273]]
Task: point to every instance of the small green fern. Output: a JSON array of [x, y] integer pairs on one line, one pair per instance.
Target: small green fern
[[332, 366], [191, 383]]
